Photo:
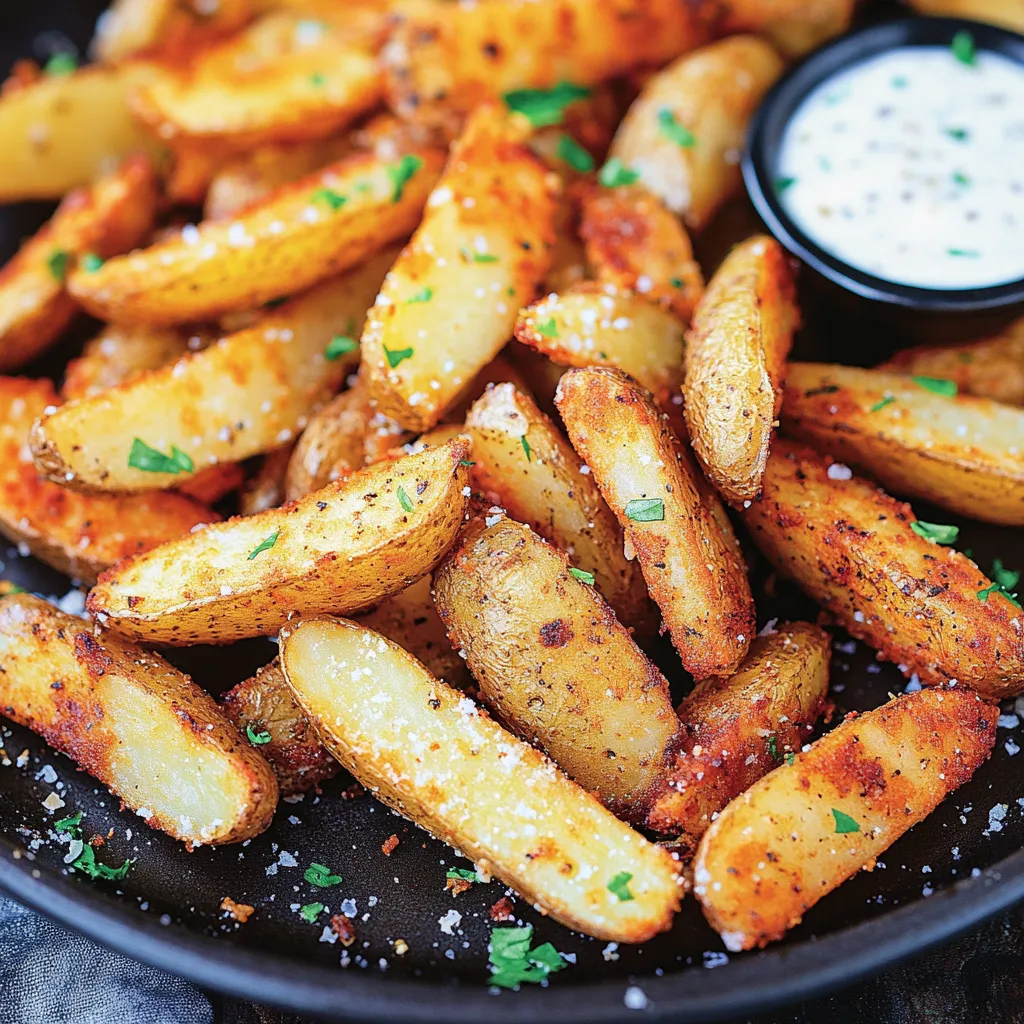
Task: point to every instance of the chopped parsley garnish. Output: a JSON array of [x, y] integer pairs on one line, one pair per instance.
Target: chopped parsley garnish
[[462, 875], [937, 386], [7, 588], [971, 254], [320, 876], [58, 264], [882, 403], [773, 746], [619, 887], [466, 462], [936, 532], [395, 356], [68, 824], [781, 184], [401, 172], [403, 500], [670, 127], [1006, 578], [257, 739], [582, 575], [61, 64], [91, 262], [310, 912], [340, 345], [478, 257], [526, 448], [335, 200], [149, 460], [423, 295], [963, 48], [318, 78], [960, 178], [615, 173], [960, 134], [645, 510], [676, 282], [844, 823], [544, 107], [900, 81], [546, 327], [790, 758], [513, 962], [994, 588], [86, 861], [265, 545], [574, 154]]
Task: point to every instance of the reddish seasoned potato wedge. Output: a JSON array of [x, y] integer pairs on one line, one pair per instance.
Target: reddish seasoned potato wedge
[[472, 784], [78, 534], [672, 520], [795, 26], [963, 453], [850, 546], [809, 826], [736, 352], [135, 722], [342, 548]]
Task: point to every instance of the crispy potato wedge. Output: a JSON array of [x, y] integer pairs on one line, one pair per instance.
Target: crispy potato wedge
[[737, 730], [62, 132], [449, 304], [454, 56], [77, 534], [523, 463], [249, 393], [637, 244], [672, 520], [342, 548], [684, 133], [794, 26], [135, 722], [851, 547], [989, 368], [963, 453], [315, 228], [558, 668], [108, 218], [1009, 13], [736, 352], [429, 752], [266, 488], [808, 826]]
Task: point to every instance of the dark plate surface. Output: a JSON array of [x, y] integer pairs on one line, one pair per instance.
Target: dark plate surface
[[945, 875]]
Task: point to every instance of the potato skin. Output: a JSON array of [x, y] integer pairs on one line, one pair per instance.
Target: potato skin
[[776, 849], [851, 548], [999, 12], [965, 454], [794, 26], [736, 351], [736, 730], [690, 559], [553, 662], [132, 720]]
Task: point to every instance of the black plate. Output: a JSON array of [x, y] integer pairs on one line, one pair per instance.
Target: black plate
[[947, 874]]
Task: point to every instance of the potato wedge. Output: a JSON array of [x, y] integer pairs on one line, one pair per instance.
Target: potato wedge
[[315, 228], [62, 132], [449, 304], [808, 826], [736, 352], [135, 722], [523, 463], [850, 546], [672, 520], [635, 243], [963, 453], [498, 371], [110, 217], [684, 133], [794, 26], [426, 750], [568, 254], [555, 664], [342, 548], [266, 488], [77, 534], [249, 393], [989, 368], [737, 730], [214, 483], [1008, 13]]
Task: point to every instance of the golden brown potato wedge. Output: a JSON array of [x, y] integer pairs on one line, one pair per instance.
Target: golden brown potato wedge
[[684, 133], [851, 547], [636, 244], [737, 730], [795, 26], [736, 352], [342, 549], [78, 534], [914, 435], [672, 520], [214, 483], [110, 217], [135, 722], [315, 228], [568, 254], [808, 826], [449, 304], [266, 488], [1009, 13], [989, 368], [523, 463], [427, 750], [555, 664], [249, 393]]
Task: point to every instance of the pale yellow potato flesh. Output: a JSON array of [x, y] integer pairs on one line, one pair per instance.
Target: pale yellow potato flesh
[[427, 750]]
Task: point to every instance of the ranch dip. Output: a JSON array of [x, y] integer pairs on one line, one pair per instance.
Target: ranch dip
[[910, 166]]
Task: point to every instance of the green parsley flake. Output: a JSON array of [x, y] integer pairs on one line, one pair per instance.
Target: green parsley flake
[[318, 79], [401, 172], [257, 739], [672, 129], [526, 448], [91, 262], [58, 264], [340, 345], [773, 746], [960, 178], [900, 81], [844, 823], [265, 545], [545, 107], [513, 962], [937, 386], [781, 184], [994, 588], [1006, 578], [462, 875], [466, 462], [403, 500], [395, 356], [69, 824], [86, 861], [335, 200], [676, 282], [963, 48], [546, 327], [582, 575], [320, 876], [615, 173], [479, 257], [61, 64], [882, 403], [149, 460], [645, 510], [790, 758], [970, 254], [959, 134], [7, 588], [936, 532], [572, 153], [310, 912], [619, 887], [423, 295]]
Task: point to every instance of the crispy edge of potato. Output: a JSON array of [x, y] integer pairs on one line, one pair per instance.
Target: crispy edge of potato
[[850, 546], [963, 453], [1008, 13], [133, 721], [340, 549], [265, 490], [689, 556], [736, 351], [794, 26], [460, 782], [738, 729], [806, 827]]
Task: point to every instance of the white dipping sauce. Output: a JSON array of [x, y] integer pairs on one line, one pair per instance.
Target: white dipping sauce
[[910, 166]]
